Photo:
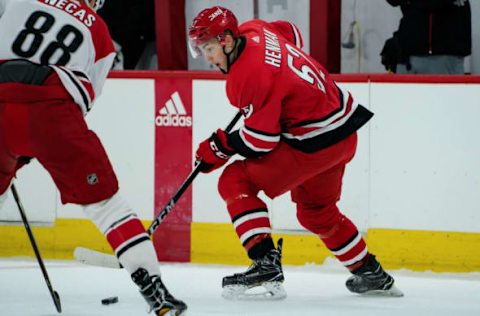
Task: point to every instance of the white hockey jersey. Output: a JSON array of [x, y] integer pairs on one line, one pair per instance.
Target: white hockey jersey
[[65, 34]]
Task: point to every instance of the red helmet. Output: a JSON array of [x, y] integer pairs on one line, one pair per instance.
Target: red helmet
[[210, 23]]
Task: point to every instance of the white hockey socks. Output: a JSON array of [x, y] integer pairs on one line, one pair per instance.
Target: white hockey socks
[[125, 233]]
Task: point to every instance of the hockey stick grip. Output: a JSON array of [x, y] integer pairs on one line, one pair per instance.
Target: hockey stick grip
[[171, 203]]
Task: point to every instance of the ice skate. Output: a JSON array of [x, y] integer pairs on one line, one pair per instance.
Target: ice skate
[[157, 295], [371, 279], [262, 280]]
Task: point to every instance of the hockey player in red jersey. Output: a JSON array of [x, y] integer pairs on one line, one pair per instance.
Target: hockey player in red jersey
[[54, 59], [299, 132]]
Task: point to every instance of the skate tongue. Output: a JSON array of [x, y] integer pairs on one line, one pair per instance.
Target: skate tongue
[[280, 245], [268, 291]]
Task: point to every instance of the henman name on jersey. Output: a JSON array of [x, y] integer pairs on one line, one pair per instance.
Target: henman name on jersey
[[173, 113], [74, 10], [273, 53]]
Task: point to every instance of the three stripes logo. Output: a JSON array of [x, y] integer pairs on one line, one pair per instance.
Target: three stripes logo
[[173, 113]]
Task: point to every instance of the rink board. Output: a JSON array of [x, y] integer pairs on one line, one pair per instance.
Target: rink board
[[411, 189]]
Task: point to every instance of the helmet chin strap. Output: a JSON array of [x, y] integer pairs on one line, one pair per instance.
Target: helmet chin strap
[[228, 58], [231, 58]]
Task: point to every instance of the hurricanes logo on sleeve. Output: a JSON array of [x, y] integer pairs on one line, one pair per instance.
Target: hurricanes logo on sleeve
[[247, 110], [173, 113]]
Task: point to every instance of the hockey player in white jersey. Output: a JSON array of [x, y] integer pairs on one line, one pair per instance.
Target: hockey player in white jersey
[[54, 58]]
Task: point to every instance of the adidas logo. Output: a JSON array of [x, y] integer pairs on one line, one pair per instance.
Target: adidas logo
[[173, 113]]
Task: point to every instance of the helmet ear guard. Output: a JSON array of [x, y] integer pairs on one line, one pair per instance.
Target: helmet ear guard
[[211, 23]]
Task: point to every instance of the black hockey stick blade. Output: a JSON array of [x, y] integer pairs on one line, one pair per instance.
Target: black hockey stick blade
[[53, 293], [56, 301]]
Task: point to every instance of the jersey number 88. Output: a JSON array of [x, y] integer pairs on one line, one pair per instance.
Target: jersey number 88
[[39, 23]]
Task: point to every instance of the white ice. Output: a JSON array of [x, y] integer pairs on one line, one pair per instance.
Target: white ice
[[312, 290]]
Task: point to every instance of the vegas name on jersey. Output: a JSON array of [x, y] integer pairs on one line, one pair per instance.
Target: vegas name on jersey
[[285, 94], [65, 34]]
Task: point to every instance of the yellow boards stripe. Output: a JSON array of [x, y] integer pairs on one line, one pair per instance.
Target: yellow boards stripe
[[217, 243]]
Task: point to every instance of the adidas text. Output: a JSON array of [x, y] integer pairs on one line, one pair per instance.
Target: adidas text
[[173, 120]]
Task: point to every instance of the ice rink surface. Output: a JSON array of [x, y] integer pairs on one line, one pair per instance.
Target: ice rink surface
[[312, 290]]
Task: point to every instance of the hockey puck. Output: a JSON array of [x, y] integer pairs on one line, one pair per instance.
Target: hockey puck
[[110, 300]]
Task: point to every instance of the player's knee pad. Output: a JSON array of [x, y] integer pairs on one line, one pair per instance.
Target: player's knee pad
[[237, 192], [234, 181]]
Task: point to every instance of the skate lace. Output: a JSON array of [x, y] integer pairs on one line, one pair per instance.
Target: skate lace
[[271, 261], [158, 295]]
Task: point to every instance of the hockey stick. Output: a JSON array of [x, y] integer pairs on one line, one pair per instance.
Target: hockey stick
[[97, 258], [53, 293]]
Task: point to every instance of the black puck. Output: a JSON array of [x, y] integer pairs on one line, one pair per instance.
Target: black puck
[[110, 300]]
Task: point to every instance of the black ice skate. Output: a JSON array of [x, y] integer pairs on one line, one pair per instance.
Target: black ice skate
[[371, 279], [157, 295], [265, 272]]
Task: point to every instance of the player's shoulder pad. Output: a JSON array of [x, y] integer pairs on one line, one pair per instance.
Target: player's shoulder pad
[[289, 31]]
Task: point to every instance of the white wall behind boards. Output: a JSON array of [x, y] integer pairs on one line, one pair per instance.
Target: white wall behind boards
[[425, 170], [416, 165], [37, 194], [211, 110]]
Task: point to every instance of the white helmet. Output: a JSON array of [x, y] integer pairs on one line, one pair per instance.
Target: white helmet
[[95, 4]]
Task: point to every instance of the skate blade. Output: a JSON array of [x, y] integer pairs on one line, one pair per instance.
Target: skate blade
[[267, 291], [392, 292]]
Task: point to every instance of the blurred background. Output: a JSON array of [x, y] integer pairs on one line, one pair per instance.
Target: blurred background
[[346, 36]]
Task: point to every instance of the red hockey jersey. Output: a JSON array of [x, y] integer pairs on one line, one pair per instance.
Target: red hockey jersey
[[285, 94], [65, 34]]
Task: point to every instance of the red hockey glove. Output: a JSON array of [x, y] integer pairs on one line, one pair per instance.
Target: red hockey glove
[[214, 152]]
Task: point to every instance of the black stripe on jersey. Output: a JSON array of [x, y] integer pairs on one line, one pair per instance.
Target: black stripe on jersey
[[79, 88], [329, 115], [235, 141], [80, 74], [261, 132], [130, 245], [347, 242], [256, 210], [354, 122]]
